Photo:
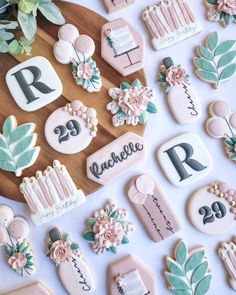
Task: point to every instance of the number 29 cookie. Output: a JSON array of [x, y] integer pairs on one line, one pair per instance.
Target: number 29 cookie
[[70, 129]]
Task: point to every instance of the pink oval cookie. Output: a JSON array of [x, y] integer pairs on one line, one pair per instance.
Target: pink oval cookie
[[18, 228]]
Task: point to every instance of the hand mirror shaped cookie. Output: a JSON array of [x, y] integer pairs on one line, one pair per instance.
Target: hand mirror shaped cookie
[[78, 50], [222, 124], [73, 269], [13, 233], [182, 99]]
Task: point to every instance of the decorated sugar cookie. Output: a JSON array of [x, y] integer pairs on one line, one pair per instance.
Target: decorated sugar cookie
[[227, 252], [114, 159], [131, 103], [223, 11], [152, 207], [70, 129], [212, 209], [129, 276], [78, 50], [182, 99], [189, 271], [184, 159], [73, 269], [108, 229], [215, 63], [222, 124], [169, 22], [13, 233], [115, 5], [36, 288], [51, 193], [17, 146], [122, 46]]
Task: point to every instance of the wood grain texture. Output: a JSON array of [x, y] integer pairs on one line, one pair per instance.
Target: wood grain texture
[[88, 22]]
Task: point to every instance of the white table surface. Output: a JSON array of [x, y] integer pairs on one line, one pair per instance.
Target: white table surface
[[160, 128]]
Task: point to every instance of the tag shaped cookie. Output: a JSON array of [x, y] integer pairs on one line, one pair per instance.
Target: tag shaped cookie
[[227, 252], [73, 269], [115, 5], [129, 276], [108, 229], [188, 271], [152, 207], [51, 193], [78, 50], [32, 289], [215, 62], [131, 103], [29, 84], [221, 11], [169, 22], [212, 208], [122, 47], [184, 159], [116, 158], [13, 234], [70, 129], [181, 97], [222, 124], [17, 146]]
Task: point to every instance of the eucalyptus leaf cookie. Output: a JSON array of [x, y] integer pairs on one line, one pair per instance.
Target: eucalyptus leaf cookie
[[188, 273], [215, 62]]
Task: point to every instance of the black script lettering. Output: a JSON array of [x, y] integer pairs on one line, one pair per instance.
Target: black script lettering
[[86, 286]]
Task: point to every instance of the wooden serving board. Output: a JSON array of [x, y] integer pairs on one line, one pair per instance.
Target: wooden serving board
[[90, 23]]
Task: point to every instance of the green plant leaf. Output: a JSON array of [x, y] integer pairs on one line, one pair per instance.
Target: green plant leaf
[[203, 286], [14, 47], [27, 158], [194, 260], [213, 40], [26, 6], [207, 76], [125, 240], [124, 85], [6, 36], [4, 47], [204, 64], [227, 58], [228, 72], [151, 107], [143, 118], [199, 272], [205, 52], [137, 83], [28, 24], [51, 12], [89, 235], [224, 47], [20, 132], [174, 267], [8, 125], [176, 282], [181, 253]]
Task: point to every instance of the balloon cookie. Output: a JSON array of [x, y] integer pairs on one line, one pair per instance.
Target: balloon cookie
[[17, 146], [181, 97], [227, 252], [212, 209], [73, 269], [70, 129], [215, 62], [131, 103], [108, 229], [170, 22], [129, 276], [51, 193], [221, 11], [152, 207], [78, 50], [36, 288], [222, 124], [115, 5], [188, 272], [13, 234]]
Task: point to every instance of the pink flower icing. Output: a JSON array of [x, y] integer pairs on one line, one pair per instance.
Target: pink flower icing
[[119, 281], [175, 75], [60, 251], [17, 261], [133, 101], [213, 13], [108, 232], [227, 6], [85, 71]]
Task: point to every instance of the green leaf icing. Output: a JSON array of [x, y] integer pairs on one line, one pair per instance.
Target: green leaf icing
[[17, 146], [89, 235], [188, 274], [215, 63]]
